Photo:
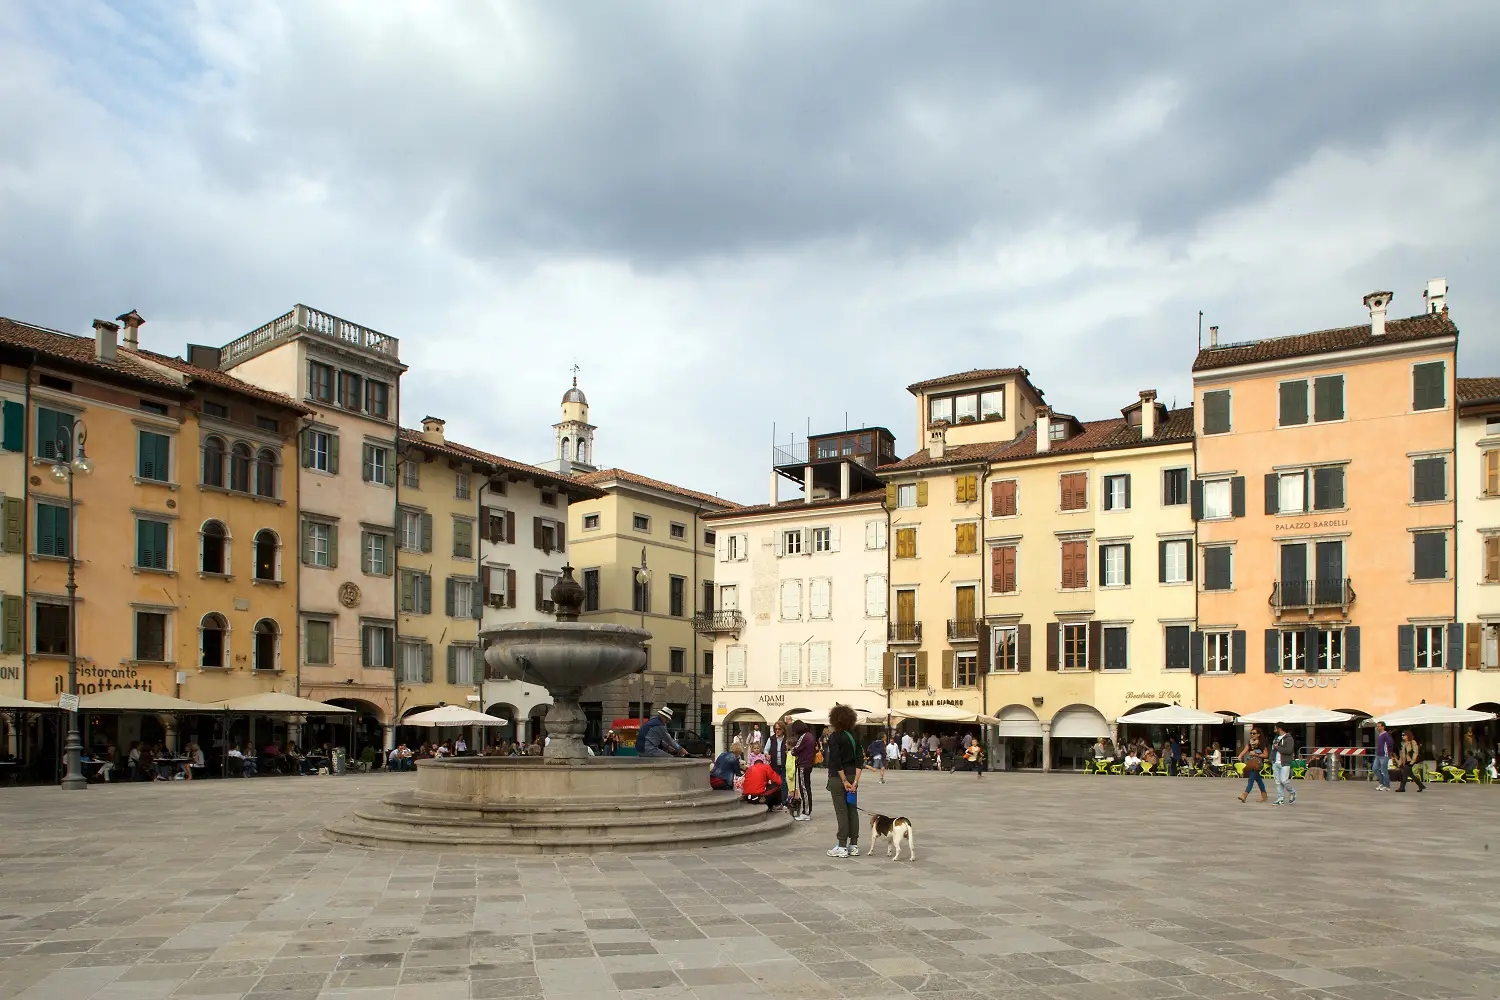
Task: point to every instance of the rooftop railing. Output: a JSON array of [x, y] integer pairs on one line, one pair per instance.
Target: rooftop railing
[[304, 319]]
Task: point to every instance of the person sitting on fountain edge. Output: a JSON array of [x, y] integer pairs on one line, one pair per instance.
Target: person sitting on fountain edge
[[654, 741]]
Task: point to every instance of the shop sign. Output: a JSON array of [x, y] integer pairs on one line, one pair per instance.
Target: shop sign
[[1309, 682], [10, 673], [721, 709], [772, 699], [1153, 696], [955, 702], [94, 679], [1339, 522]]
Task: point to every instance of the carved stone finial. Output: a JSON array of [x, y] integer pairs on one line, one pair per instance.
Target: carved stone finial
[[567, 596]]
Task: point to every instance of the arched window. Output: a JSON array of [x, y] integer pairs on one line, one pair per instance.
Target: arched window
[[267, 555], [267, 643], [213, 462], [213, 641], [583, 450], [265, 473], [239, 468], [563, 451], [215, 549]]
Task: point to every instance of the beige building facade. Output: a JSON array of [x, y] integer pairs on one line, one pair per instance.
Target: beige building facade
[[1477, 479]]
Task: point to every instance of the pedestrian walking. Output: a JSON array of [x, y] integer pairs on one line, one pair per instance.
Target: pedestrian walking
[[1283, 749], [1384, 744], [876, 750], [845, 765], [804, 752], [1410, 752], [974, 755], [1254, 758]]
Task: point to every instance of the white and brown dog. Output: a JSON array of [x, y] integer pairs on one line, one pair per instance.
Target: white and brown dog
[[895, 831]]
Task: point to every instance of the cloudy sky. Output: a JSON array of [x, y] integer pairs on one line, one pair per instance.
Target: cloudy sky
[[740, 214]]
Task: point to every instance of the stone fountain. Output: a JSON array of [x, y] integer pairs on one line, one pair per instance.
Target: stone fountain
[[566, 801]]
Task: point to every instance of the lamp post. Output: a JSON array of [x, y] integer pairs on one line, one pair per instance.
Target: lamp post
[[65, 464], [642, 578]]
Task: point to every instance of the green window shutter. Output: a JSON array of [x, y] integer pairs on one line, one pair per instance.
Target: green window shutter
[[46, 432], [426, 663], [426, 532], [51, 530], [452, 664], [426, 590], [307, 449], [1293, 403], [463, 539], [142, 545], [364, 552], [151, 545], [14, 438], [333, 546], [449, 585], [408, 590], [307, 553], [15, 514], [364, 646], [10, 623], [154, 450], [333, 454]]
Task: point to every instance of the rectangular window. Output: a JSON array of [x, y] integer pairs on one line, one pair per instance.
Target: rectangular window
[[319, 640], [734, 666], [377, 399], [1174, 487], [1429, 385], [940, 408], [820, 597], [54, 434], [416, 531], [461, 485], [150, 544], [640, 522], [463, 538], [966, 408], [52, 629], [875, 595], [1428, 648], [791, 664], [1328, 398], [465, 660], [906, 496], [1216, 415], [351, 391], [1003, 569], [708, 667], [412, 662], [1218, 650], [1217, 499], [318, 550], [791, 542], [1116, 647], [735, 548], [463, 599], [591, 522], [1115, 565], [320, 382], [1430, 555], [822, 539], [1330, 651], [791, 600], [1003, 496], [1429, 479], [874, 664], [1491, 559], [1291, 493], [1178, 647], [906, 543], [1175, 561], [965, 669], [377, 554], [677, 661], [1116, 492], [377, 465], [1075, 565], [1293, 398], [212, 409], [411, 475], [150, 636], [378, 642], [677, 531], [1074, 490], [992, 404], [1004, 659], [591, 590], [640, 597], [966, 538], [906, 670], [416, 592], [1293, 651], [1328, 488], [318, 451], [54, 533], [1492, 470], [875, 535], [710, 537], [1218, 567], [154, 458], [677, 596], [1075, 646]]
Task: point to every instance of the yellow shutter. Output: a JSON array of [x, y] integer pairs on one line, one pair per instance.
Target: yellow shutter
[[966, 539], [947, 668], [922, 494], [1492, 559], [906, 543], [1492, 472], [890, 496]]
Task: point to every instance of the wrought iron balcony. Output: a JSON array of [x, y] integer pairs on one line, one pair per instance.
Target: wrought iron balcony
[[1308, 595], [963, 629], [904, 632], [718, 622]]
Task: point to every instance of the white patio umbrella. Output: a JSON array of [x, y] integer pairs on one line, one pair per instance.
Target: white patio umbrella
[[1292, 714], [276, 703], [819, 716], [133, 700], [12, 704], [1175, 715], [936, 713], [1429, 715], [452, 715]]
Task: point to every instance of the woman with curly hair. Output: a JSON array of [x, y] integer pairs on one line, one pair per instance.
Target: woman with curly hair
[[845, 762]]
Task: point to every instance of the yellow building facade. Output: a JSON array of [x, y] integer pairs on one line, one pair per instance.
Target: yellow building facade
[[13, 471]]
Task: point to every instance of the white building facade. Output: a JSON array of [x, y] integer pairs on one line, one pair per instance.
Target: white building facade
[[800, 612]]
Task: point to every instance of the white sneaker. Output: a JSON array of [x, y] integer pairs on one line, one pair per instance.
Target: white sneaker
[[839, 852], [853, 851]]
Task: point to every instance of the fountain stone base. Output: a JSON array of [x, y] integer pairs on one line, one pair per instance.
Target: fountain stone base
[[523, 805]]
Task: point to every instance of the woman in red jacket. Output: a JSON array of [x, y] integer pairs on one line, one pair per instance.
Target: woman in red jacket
[[763, 784]]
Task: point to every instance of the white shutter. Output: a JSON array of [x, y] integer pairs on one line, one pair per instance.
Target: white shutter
[[721, 547], [818, 668], [734, 672], [833, 538], [744, 552], [872, 540], [875, 596], [778, 536], [791, 664], [729, 597], [875, 663], [791, 600], [820, 597]]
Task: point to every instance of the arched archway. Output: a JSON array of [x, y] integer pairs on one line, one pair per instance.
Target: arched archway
[[536, 724], [365, 728], [507, 733], [1074, 730], [1019, 739]]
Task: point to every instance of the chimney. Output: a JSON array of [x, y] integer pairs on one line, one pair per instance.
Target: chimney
[[937, 439], [432, 430], [1213, 336], [132, 321], [775, 488], [104, 339], [1437, 296], [1043, 429], [1377, 301], [1148, 414]]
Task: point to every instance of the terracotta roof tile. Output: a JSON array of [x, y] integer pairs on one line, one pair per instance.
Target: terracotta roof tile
[[973, 373], [1474, 390], [69, 347], [1323, 341], [229, 383], [495, 463], [956, 455], [608, 475], [869, 496]]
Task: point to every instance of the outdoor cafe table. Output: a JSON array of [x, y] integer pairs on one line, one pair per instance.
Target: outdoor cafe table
[[10, 771], [171, 767]]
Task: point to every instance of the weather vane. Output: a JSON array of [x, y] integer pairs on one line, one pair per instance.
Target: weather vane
[[575, 369]]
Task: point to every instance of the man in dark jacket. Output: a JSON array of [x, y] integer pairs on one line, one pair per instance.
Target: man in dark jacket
[[1283, 749], [776, 751], [654, 741], [726, 768]]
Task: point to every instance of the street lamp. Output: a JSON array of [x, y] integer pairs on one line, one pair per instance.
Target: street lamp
[[642, 578], [65, 464]]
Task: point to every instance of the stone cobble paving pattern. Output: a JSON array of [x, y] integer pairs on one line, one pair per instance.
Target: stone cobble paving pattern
[[1059, 887]]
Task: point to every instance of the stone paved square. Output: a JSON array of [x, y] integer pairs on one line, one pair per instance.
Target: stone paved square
[[1025, 886]]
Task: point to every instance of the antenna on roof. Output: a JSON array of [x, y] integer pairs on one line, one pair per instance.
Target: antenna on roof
[[1200, 329]]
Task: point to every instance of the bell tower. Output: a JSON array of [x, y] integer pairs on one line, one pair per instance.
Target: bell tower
[[573, 435]]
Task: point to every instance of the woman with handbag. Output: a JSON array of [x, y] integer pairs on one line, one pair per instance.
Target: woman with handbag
[[845, 765], [1254, 758]]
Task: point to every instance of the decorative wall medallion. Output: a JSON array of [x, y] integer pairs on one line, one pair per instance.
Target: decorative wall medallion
[[349, 595], [171, 505], [36, 480]]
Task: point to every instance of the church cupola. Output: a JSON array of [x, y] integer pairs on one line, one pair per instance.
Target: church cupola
[[574, 444]]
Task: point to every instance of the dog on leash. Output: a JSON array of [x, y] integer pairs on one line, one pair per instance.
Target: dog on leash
[[894, 831]]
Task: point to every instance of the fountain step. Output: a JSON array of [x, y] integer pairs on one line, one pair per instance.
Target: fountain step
[[666, 823], [416, 805], [393, 833]]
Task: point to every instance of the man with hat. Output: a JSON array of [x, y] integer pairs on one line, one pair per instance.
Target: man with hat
[[654, 741]]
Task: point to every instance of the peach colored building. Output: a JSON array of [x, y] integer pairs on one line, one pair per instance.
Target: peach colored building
[[1478, 551], [1324, 504]]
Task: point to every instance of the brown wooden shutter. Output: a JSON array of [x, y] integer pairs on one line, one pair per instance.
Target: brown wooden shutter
[[510, 588], [540, 593], [1473, 635], [510, 527], [948, 668], [1023, 649], [922, 668], [1052, 644], [1492, 559], [485, 577], [997, 569], [536, 532], [888, 671], [983, 633], [562, 536], [1492, 472], [1096, 644], [15, 530]]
